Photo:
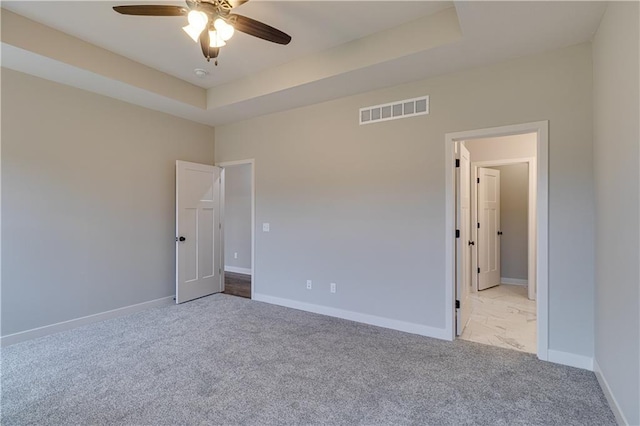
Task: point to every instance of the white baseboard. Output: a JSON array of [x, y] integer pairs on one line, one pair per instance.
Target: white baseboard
[[613, 403], [514, 281], [408, 327], [237, 270], [572, 360], [34, 333]]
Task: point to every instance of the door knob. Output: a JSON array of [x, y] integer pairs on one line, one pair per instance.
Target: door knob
[[472, 243], [499, 232], [181, 239]]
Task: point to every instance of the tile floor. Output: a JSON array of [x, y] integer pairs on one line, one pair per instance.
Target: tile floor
[[503, 316]]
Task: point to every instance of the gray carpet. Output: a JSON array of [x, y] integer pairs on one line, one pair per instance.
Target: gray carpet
[[228, 360]]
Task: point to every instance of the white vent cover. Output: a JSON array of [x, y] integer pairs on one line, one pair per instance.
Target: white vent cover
[[395, 110]]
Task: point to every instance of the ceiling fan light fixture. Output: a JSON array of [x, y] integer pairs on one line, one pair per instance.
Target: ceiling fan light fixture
[[210, 22], [192, 32], [215, 40], [224, 30], [198, 20]]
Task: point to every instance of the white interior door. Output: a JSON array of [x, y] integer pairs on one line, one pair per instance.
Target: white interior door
[[463, 253], [488, 228], [198, 223]]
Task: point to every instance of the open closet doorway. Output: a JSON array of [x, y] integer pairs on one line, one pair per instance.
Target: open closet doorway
[[238, 202], [498, 274]]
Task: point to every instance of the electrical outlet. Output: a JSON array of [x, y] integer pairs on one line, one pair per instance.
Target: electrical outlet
[[332, 288], [308, 284], [235, 255]]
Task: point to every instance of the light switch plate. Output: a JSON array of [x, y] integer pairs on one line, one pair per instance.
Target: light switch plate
[[265, 227]]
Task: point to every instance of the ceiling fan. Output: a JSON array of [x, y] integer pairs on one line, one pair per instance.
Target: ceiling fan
[[210, 23]]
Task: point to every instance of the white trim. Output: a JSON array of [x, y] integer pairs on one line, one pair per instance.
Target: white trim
[[572, 360], [407, 327], [503, 162], [221, 227], [532, 230], [238, 270], [235, 163], [513, 281], [613, 403], [449, 236], [34, 333], [252, 162], [541, 128]]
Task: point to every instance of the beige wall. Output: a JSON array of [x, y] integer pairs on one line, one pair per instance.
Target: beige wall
[[514, 204], [88, 211], [617, 184], [363, 206]]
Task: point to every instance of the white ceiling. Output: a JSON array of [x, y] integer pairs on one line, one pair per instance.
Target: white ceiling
[[160, 43], [491, 32]]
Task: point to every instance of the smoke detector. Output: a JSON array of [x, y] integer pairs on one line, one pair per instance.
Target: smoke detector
[[200, 73]]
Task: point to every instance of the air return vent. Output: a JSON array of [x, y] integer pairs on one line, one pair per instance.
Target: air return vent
[[395, 110]]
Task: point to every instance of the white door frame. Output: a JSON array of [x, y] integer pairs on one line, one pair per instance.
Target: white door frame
[[541, 128], [531, 225], [252, 163]]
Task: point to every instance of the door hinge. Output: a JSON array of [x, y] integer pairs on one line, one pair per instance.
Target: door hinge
[[478, 225], [478, 270], [219, 271], [457, 233], [219, 226], [457, 304], [478, 180], [457, 162]]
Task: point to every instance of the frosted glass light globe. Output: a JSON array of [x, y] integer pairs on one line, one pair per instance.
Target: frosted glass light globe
[[225, 31], [198, 20]]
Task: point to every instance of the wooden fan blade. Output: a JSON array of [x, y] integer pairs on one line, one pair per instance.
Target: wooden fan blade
[[208, 51], [236, 3], [151, 10], [258, 29]]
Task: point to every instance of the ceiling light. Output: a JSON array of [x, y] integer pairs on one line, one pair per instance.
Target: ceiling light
[[215, 40], [194, 33], [212, 16], [197, 22], [197, 19], [225, 31]]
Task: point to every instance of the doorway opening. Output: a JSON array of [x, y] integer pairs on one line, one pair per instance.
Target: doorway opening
[[503, 306], [238, 227], [497, 290]]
